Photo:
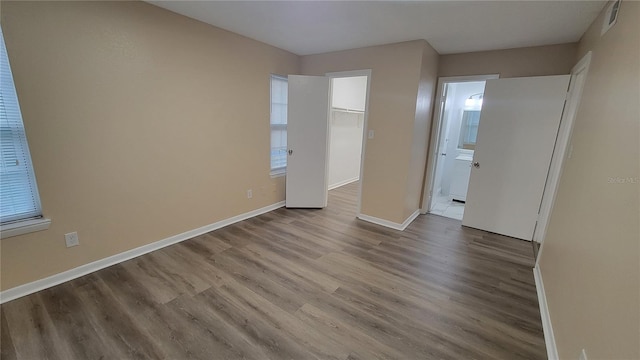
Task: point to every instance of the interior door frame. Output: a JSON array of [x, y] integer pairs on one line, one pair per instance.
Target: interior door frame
[[560, 152], [354, 73], [436, 133]]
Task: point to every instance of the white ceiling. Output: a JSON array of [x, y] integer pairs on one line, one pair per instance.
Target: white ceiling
[[312, 27]]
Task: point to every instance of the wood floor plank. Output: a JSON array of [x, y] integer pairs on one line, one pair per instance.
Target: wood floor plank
[[113, 324], [169, 332], [378, 328], [25, 320], [296, 284], [257, 278], [155, 281], [481, 286], [194, 262], [7, 350], [247, 320], [314, 342], [276, 234], [442, 339], [297, 271], [362, 271], [75, 335], [435, 326], [363, 345], [185, 277], [207, 245], [207, 322], [197, 337]]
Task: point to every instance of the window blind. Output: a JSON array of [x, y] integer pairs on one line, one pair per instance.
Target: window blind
[[279, 95], [19, 197]]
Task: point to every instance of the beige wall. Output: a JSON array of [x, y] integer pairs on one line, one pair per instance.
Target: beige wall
[[133, 115], [590, 258], [529, 61], [396, 72], [142, 124], [421, 129]]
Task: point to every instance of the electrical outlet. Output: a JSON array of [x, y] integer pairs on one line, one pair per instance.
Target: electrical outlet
[[249, 194], [71, 239]]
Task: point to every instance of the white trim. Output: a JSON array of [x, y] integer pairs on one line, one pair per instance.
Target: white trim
[[436, 133], [365, 131], [560, 151], [343, 183], [279, 172], [549, 339], [35, 286], [24, 227], [390, 224], [468, 78]]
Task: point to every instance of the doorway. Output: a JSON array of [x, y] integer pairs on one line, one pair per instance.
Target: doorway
[[308, 137], [347, 121], [457, 121], [346, 129]]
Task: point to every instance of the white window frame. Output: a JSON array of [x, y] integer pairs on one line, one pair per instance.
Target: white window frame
[[20, 222], [278, 171]]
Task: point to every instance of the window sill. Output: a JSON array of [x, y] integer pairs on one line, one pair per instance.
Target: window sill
[[24, 227], [278, 173]]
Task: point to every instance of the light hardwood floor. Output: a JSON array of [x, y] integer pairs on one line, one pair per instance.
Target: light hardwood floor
[[296, 284]]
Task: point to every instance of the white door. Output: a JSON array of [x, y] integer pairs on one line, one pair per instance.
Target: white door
[[517, 133], [307, 139], [442, 126]]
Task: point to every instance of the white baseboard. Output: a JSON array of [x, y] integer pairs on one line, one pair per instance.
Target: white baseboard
[[35, 286], [390, 224], [549, 339], [343, 182]]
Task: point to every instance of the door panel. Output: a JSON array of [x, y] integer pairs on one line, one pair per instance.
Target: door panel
[[518, 128], [307, 139], [440, 156]]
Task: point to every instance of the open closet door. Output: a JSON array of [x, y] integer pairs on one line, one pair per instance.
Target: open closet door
[[307, 139], [517, 133]]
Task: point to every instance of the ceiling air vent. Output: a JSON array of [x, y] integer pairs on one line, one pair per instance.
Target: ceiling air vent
[[610, 16]]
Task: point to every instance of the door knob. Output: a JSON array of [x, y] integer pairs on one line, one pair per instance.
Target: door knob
[[290, 152], [476, 164], [443, 154]]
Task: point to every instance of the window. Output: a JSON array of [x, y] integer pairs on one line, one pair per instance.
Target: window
[[19, 199], [278, 124], [469, 129]]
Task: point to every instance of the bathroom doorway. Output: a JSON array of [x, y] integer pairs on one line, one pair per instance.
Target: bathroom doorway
[[456, 128]]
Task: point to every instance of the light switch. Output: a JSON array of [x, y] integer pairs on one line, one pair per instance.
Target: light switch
[[370, 134]]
